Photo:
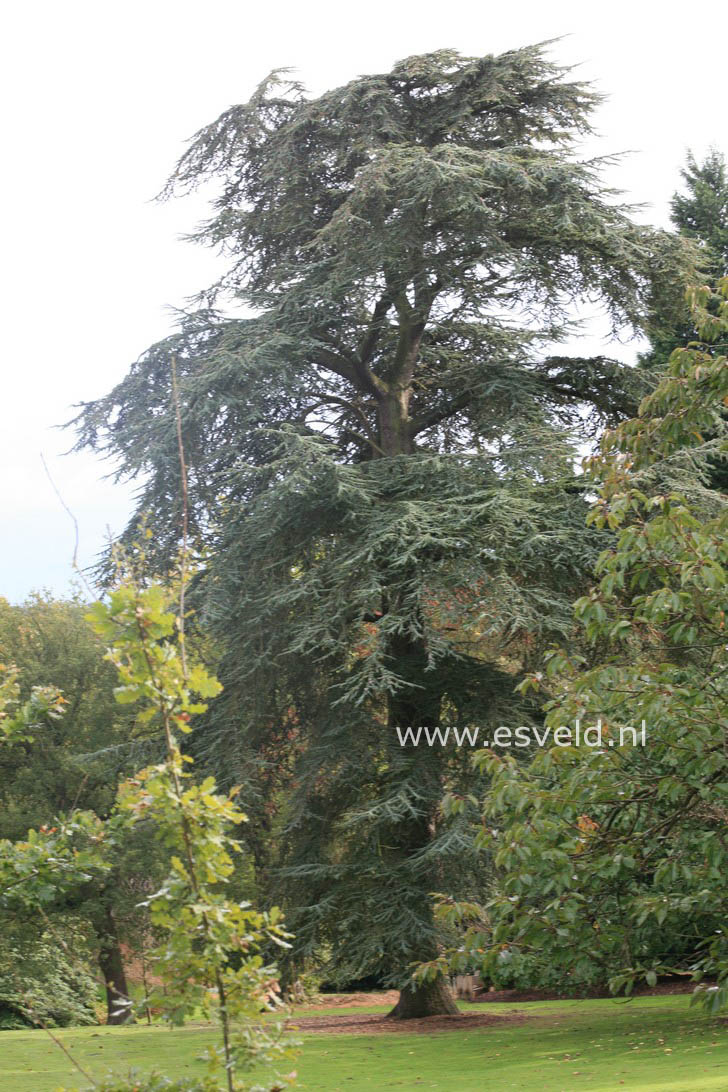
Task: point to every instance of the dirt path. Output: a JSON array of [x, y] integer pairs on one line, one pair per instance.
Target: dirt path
[[353, 1000], [346, 1023]]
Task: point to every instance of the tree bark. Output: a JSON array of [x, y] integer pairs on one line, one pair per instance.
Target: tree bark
[[394, 423], [433, 998], [416, 707], [111, 963]]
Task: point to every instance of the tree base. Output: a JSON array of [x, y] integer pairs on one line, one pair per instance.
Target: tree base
[[425, 999]]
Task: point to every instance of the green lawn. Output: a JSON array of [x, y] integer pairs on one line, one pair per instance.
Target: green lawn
[[650, 1045]]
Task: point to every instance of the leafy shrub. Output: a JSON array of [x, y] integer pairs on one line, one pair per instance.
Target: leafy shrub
[[158, 1083], [41, 983], [153, 1082], [521, 970]]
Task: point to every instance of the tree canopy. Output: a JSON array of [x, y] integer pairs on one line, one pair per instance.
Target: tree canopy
[[76, 762], [379, 405], [615, 856], [701, 213]]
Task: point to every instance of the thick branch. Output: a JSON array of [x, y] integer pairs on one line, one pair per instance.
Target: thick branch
[[440, 413], [357, 373], [353, 407], [374, 329]]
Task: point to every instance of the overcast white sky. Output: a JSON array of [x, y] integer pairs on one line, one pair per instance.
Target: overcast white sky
[[98, 99]]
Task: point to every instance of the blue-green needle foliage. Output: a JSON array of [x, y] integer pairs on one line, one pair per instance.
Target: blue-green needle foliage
[[380, 455]]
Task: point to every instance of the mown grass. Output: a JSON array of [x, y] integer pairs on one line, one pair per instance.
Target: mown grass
[[649, 1045]]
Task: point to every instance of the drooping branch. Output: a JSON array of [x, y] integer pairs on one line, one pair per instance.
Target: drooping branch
[[352, 407]]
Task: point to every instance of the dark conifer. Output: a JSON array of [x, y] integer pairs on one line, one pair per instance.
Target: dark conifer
[[381, 455]]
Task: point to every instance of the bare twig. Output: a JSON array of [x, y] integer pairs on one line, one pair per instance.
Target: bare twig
[[70, 1057], [56, 490], [74, 560], [185, 513]]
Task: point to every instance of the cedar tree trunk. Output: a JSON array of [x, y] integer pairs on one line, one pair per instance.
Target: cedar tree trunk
[[418, 707]]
